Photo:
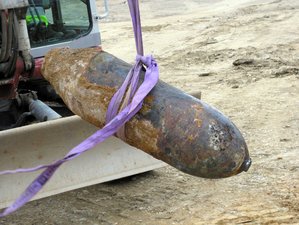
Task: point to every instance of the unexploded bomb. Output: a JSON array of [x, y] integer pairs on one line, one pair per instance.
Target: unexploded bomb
[[171, 126]]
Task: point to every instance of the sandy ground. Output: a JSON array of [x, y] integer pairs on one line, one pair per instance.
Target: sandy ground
[[244, 57]]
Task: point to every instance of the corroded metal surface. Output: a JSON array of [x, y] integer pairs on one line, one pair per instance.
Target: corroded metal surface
[[171, 126]]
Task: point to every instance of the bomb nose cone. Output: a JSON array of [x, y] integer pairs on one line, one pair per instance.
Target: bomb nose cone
[[225, 150], [246, 165]]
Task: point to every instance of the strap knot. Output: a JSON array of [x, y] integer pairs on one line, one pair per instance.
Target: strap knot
[[147, 60]]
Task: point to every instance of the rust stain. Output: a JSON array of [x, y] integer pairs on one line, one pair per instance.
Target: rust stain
[[191, 137], [90, 100], [142, 134], [70, 83], [147, 104], [197, 114]]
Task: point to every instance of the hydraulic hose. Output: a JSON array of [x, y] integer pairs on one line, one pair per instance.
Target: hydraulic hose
[[7, 66], [21, 120], [4, 36], [41, 111], [15, 45]]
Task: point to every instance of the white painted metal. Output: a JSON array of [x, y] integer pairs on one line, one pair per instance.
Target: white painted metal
[[24, 43], [45, 142], [106, 12], [11, 4]]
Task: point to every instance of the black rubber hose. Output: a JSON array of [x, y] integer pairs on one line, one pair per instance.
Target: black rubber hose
[[8, 68], [16, 29], [15, 43], [3, 64], [21, 120], [4, 69], [4, 36]]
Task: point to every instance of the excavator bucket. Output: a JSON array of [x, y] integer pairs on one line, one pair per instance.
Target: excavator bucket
[[45, 142]]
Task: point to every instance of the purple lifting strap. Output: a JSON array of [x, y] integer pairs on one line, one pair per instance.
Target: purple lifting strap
[[114, 120]]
